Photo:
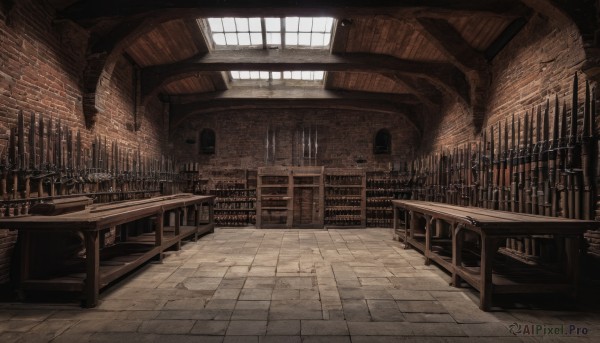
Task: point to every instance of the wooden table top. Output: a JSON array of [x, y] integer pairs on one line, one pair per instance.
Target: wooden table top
[[492, 220], [96, 217]]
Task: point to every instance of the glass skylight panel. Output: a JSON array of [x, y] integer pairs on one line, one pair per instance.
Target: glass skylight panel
[[277, 75], [303, 75], [249, 75], [306, 32], [236, 31], [273, 24]]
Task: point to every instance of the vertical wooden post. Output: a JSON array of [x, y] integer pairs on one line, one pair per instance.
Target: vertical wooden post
[[92, 281]]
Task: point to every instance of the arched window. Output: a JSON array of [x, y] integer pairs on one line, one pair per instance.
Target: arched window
[[383, 142], [207, 142]]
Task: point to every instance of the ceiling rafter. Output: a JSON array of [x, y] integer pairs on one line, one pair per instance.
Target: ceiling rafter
[[292, 93], [90, 11], [471, 62], [153, 78]]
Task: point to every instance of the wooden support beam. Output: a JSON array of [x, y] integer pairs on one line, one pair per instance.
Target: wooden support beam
[[462, 55], [153, 78], [198, 35], [88, 11], [266, 92]]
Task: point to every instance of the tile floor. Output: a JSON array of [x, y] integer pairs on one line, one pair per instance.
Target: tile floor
[[247, 285]]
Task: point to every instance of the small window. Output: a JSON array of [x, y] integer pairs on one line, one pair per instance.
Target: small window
[[383, 142], [207, 142]]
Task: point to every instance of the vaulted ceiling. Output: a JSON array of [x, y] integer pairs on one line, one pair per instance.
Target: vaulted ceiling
[[405, 57]]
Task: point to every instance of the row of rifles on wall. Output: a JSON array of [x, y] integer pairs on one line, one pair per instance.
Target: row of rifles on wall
[[531, 173], [48, 160]]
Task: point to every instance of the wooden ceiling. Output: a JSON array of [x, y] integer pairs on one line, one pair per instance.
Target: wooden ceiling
[[429, 49]]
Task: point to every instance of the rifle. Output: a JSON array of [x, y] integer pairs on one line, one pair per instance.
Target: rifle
[[587, 150], [521, 168], [483, 172], [543, 186], [574, 201], [493, 173], [514, 170], [562, 186], [534, 160]]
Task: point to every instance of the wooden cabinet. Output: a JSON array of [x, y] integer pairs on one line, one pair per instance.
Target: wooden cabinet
[[289, 197]]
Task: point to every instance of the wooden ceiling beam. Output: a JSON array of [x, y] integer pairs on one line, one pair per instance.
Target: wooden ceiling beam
[[339, 42], [471, 62], [179, 113], [154, 78], [290, 93], [87, 12], [200, 40]]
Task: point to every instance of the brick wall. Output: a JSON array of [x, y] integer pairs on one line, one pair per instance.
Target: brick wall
[[537, 64], [343, 137], [41, 68]]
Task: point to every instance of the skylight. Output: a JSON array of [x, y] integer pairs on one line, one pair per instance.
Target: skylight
[[277, 75], [288, 32]]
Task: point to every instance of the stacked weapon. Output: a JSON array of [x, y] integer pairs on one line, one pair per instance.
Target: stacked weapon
[[525, 170], [52, 158]]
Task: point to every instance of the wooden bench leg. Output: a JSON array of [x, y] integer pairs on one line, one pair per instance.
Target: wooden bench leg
[[428, 234], [488, 250], [457, 243], [92, 259]]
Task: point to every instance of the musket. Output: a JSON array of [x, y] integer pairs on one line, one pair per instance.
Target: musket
[[573, 157], [41, 170], [49, 145], [553, 167], [502, 156], [543, 186], [475, 178], [11, 162], [562, 187], [586, 154], [513, 169], [534, 160], [19, 166], [528, 133], [521, 185], [42, 165], [59, 156], [29, 165], [484, 171], [492, 174], [32, 154], [21, 128], [469, 173]]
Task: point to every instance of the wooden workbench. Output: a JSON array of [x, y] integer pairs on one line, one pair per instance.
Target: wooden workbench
[[438, 230], [147, 228]]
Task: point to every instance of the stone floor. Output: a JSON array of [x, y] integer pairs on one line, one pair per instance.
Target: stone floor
[[247, 285]]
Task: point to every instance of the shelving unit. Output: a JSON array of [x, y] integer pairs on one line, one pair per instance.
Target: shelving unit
[[344, 198], [289, 197], [235, 193], [382, 188], [273, 198]]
